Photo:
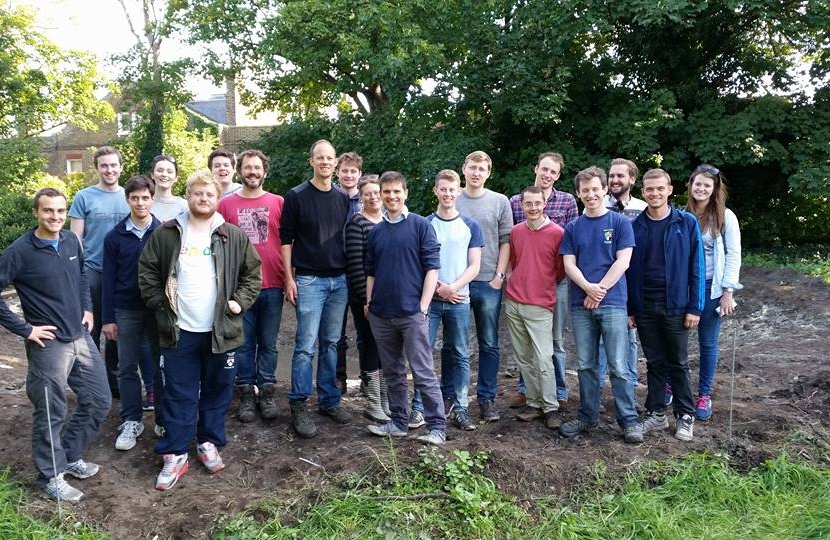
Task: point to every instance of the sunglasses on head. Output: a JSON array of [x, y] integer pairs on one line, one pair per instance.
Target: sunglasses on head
[[158, 158], [714, 171]]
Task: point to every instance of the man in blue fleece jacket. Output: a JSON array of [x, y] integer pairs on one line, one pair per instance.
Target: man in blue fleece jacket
[[46, 267]]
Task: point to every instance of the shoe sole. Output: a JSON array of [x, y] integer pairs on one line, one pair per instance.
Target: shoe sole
[[385, 434], [124, 448], [175, 480], [80, 476], [213, 470], [382, 419], [684, 438]]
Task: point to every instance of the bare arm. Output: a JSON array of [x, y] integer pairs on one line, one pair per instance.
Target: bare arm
[[449, 291], [501, 265], [430, 280], [76, 225]]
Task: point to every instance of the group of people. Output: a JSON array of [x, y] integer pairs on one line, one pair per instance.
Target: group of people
[[188, 294]]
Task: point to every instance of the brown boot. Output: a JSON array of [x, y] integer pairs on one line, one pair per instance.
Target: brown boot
[[247, 403], [268, 401], [519, 401]]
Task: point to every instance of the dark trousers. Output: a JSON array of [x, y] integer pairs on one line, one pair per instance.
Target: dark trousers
[[198, 387], [366, 346], [665, 343], [110, 351]]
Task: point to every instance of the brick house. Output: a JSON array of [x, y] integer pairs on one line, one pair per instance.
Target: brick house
[[69, 149]]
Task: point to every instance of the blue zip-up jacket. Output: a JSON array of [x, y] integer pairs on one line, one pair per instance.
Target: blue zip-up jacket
[[119, 288], [685, 270]]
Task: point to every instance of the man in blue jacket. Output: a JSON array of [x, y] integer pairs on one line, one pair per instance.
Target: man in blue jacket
[[665, 298], [126, 319], [46, 267]]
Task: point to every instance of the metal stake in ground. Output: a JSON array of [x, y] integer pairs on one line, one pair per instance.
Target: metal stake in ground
[[732, 380], [52, 446]]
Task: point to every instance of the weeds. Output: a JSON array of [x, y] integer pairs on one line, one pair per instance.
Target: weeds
[[447, 496], [813, 260]]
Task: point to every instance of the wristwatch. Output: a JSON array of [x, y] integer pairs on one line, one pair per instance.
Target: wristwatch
[[500, 275], [730, 290]]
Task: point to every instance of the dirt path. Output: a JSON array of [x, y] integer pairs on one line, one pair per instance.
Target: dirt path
[[781, 401]]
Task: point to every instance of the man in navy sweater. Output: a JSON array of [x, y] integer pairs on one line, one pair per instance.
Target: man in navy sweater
[[402, 263], [665, 298], [46, 266], [126, 319]]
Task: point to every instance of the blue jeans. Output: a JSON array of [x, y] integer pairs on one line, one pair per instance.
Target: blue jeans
[[485, 302], [455, 352], [77, 364], [708, 332], [135, 328], [405, 339], [665, 343], [198, 387], [633, 377], [320, 305], [257, 357], [610, 323]]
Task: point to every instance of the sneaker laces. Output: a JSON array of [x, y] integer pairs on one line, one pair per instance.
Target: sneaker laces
[[129, 427], [171, 464], [209, 452], [702, 403]]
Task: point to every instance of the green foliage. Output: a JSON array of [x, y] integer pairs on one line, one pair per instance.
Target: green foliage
[[16, 523], [811, 259], [418, 85]]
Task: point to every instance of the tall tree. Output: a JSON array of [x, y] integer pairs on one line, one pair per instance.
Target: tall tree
[[41, 87]]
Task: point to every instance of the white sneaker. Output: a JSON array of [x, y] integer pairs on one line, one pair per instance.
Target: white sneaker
[[174, 467], [209, 456], [59, 489], [130, 430]]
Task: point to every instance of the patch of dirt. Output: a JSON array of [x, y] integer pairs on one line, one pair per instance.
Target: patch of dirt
[[780, 400]]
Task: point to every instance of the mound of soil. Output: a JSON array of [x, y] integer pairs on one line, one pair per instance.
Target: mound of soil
[[774, 350]]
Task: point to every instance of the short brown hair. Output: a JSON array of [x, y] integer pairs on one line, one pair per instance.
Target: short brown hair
[[106, 151], [390, 177], [252, 153], [555, 156], [632, 167], [536, 190], [46, 192], [447, 174], [656, 173], [585, 175], [350, 157], [221, 152], [480, 155]]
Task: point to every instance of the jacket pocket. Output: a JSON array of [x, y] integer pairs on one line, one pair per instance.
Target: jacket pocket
[[232, 326]]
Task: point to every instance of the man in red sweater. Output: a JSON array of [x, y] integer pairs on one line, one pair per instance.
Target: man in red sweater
[[530, 301]]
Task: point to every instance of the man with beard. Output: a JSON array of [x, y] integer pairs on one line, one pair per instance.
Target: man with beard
[[258, 213], [198, 274], [314, 262]]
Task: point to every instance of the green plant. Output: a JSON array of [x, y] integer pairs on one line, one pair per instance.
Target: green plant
[[811, 259]]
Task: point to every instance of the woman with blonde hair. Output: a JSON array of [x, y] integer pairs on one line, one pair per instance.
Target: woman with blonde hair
[[722, 250]]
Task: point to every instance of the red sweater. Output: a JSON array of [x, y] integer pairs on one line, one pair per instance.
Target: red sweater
[[536, 263]]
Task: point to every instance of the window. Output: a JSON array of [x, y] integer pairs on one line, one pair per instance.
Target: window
[[125, 122], [74, 163]]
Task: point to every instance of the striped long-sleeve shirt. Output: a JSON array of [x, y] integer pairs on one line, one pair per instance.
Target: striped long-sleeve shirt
[[356, 232]]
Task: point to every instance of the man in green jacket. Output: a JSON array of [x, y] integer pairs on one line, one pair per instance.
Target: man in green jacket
[[197, 274]]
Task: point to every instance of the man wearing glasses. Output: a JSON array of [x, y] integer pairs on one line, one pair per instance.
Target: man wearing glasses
[[95, 211], [560, 207]]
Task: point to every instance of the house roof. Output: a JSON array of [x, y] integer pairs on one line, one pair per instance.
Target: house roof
[[212, 109]]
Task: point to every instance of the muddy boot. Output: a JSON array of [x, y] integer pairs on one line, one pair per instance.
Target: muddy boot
[[373, 409], [247, 403], [384, 395], [301, 419], [268, 401], [364, 381]]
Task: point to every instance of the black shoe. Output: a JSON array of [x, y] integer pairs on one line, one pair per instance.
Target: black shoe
[[462, 420], [338, 414], [488, 411], [301, 419], [247, 403]]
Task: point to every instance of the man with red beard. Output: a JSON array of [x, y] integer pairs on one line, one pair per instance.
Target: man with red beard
[[257, 213]]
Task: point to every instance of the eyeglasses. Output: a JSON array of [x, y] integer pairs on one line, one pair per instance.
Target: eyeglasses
[[160, 157], [708, 169]]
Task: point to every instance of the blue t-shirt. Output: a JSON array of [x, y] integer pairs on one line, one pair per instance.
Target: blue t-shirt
[[456, 236], [101, 211], [595, 242]]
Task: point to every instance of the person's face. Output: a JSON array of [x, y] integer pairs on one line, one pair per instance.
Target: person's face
[[222, 169], [141, 202], [348, 174], [533, 205], [547, 173], [394, 196], [656, 192], [591, 193], [370, 195], [476, 173], [203, 200], [164, 174], [702, 188], [109, 169], [323, 160], [50, 214], [253, 172], [447, 193], [619, 181]]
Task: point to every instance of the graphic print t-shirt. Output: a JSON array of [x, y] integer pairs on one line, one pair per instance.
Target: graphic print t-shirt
[[197, 282]]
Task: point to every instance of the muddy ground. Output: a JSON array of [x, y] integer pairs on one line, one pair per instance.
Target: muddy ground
[[781, 401]]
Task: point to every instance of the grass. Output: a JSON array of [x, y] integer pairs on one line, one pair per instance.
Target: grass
[[700, 497], [17, 524], [813, 260]]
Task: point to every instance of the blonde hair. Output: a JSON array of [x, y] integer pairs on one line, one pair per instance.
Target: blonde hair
[[203, 177], [479, 156], [447, 174]]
